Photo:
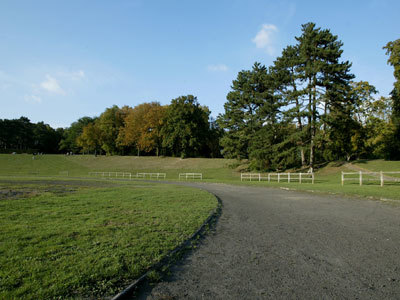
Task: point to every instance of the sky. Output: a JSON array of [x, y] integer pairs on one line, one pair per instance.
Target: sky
[[62, 60]]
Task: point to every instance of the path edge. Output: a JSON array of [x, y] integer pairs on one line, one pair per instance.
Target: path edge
[[168, 260]]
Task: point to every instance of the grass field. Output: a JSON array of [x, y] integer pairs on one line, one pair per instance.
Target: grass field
[[76, 239], [328, 180], [72, 236], [214, 170], [80, 165]]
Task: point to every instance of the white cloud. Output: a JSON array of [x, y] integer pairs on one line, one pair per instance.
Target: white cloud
[[51, 85], [33, 99], [265, 38], [217, 68], [77, 75]]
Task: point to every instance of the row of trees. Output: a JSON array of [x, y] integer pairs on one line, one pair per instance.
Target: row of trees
[[179, 129], [20, 135], [306, 108], [303, 110]]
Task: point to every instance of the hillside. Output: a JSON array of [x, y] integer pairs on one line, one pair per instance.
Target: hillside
[[80, 165]]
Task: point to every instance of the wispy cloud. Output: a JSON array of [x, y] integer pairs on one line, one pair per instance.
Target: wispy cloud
[[76, 75], [51, 85], [32, 99], [217, 68], [265, 38]]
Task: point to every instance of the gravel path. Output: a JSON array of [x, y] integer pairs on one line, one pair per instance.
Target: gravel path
[[271, 243]]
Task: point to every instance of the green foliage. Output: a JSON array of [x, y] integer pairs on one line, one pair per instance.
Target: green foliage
[[109, 123], [69, 142], [90, 139], [185, 127], [20, 135], [250, 105], [393, 50], [302, 104]]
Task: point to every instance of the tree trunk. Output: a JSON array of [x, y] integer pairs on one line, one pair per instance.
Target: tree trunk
[[301, 143], [310, 125], [313, 125], [303, 158]]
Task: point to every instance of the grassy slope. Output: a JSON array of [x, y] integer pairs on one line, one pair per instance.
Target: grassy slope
[[68, 240], [328, 180], [214, 170], [379, 165], [80, 165]]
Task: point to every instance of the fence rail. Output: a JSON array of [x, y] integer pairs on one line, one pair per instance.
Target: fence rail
[[190, 176], [111, 174], [279, 177], [370, 176], [151, 175]]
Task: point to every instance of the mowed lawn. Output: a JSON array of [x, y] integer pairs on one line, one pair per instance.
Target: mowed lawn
[[327, 177], [328, 180], [81, 165], [77, 239]]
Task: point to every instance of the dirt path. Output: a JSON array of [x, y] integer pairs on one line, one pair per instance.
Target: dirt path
[[271, 243]]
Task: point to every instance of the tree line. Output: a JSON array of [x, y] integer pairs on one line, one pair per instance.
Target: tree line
[[183, 128], [307, 109], [20, 135], [303, 110]]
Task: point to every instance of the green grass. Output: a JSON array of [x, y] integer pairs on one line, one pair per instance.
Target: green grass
[[78, 239], [379, 165], [328, 180], [80, 165], [74, 237], [214, 170]]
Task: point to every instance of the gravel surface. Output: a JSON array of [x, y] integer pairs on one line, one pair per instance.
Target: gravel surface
[[271, 243]]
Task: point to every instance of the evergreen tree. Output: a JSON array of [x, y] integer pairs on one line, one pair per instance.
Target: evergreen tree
[[250, 104], [326, 87], [289, 87], [393, 50]]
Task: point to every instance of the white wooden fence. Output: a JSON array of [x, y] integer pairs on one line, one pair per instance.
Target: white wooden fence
[[151, 175], [190, 176], [369, 176], [111, 174], [279, 177], [128, 175]]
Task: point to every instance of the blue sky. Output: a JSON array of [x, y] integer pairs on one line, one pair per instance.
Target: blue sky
[[62, 60]]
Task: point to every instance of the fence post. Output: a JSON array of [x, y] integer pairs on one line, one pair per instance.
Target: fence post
[[279, 177], [288, 178], [312, 175], [300, 178], [360, 178], [381, 178], [259, 176], [342, 178], [269, 177]]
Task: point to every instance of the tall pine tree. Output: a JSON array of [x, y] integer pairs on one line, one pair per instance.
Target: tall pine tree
[[393, 50], [326, 83]]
